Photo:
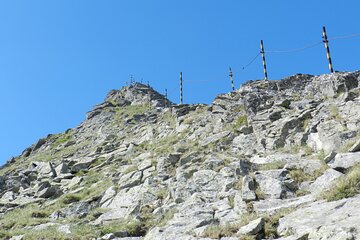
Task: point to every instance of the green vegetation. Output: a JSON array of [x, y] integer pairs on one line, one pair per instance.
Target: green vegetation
[[162, 193], [129, 111], [272, 222], [48, 155], [300, 176], [21, 217], [306, 124], [167, 217], [130, 169], [302, 192], [270, 232], [321, 155], [70, 198], [347, 186], [241, 121], [349, 143], [231, 201], [196, 115], [308, 150], [238, 184], [270, 166], [228, 230], [169, 118], [334, 113], [50, 233], [219, 231], [83, 231], [247, 237], [295, 149], [97, 162], [13, 222], [93, 177], [134, 228], [62, 138], [259, 193]]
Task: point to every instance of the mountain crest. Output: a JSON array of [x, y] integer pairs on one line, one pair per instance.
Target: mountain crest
[[134, 94]]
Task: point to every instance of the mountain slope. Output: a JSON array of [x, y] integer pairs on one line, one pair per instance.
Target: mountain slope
[[274, 159]]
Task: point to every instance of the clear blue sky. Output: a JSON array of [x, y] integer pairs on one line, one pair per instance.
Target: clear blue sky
[[59, 58]]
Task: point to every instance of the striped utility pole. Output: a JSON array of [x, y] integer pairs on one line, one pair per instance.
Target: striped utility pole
[[181, 89], [326, 42], [166, 95], [232, 80], [149, 98], [263, 58]]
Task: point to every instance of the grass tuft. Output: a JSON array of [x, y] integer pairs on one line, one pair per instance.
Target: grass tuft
[[347, 186]]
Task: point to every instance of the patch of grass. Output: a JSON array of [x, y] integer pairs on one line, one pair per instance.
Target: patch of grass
[[259, 193], [84, 231], [306, 124], [308, 150], [219, 231], [231, 201], [167, 217], [196, 115], [95, 213], [40, 214], [128, 112], [347, 145], [169, 118], [270, 166], [241, 121], [295, 149], [347, 186], [162, 193], [302, 192], [97, 162], [238, 184], [321, 155], [334, 113], [21, 217], [272, 222], [87, 192], [50, 233], [130, 169], [81, 173], [71, 198], [134, 228], [300, 176], [228, 230], [247, 218], [92, 177], [62, 138]]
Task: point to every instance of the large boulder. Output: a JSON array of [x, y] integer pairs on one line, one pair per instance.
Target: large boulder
[[344, 161], [325, 181], [273, 183], [343, 215]]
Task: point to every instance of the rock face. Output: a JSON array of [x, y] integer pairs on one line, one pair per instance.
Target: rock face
[[258, 162]]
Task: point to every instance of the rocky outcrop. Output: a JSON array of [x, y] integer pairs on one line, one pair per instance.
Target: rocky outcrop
[[257, 163]]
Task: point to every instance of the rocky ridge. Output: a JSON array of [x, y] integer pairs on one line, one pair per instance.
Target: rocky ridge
[[272, 160]]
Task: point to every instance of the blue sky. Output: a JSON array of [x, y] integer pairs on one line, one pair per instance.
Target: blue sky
[[59, 58]]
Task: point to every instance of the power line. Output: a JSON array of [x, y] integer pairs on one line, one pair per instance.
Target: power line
[[251, 62], [345, 37], [295, 49], [201, 81]]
